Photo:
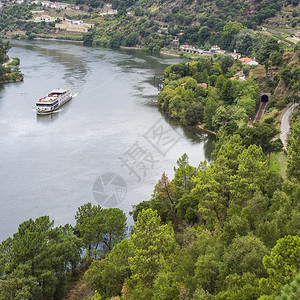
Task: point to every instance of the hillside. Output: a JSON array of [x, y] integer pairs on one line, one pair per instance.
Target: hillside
[[282, 81], [250, 13], [154, 24]]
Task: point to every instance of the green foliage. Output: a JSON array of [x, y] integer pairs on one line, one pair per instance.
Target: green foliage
[[262, 135], [269, 49], [244, 41], [8, 74], [293, 168], [209, 112], [150, 239], [131, 40], [240, 287], [188, 97], [229, 31], [194, 114], [290, 291], [107, 276], [97, 296], [38, 261], [101, 228], [227, 230], [244, 255], [282, 265]]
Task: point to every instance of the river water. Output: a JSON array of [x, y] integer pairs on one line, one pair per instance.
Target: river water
[[108, 145]]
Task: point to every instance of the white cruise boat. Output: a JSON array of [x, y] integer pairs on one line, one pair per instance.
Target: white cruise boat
[[53, 100]]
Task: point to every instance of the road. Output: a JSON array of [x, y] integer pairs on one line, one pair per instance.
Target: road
[[285, 123]]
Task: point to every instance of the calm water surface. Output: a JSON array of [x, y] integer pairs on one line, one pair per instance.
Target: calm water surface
[[49, 163]]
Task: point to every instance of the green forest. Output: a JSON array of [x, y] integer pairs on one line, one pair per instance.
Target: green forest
[[206, 90], [221, 100], [9, 70], [153, 25], [225, 230]]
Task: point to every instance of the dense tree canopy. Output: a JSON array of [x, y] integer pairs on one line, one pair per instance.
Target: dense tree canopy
[[294, 151], [100, 228], [204, 92], [38, 261]]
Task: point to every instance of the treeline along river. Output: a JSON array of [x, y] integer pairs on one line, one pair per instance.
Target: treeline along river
[[109, 145]]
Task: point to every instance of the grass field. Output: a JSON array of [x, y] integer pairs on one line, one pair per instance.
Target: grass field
[[278, 163]]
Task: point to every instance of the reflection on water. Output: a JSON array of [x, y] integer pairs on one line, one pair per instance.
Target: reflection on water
[[196, 136], [42, 118], [57, 53], [52, 161]]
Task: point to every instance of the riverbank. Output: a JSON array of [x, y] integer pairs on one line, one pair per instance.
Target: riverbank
[[42, 38], [12, 72], [61, 40], [206, 130], [131, 48], [11, 80], [142, 48], [169, 53]]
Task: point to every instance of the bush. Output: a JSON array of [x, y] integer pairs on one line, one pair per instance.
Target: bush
[[194, 114]]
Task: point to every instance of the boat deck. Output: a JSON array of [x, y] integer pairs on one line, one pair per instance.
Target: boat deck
[[52, 96]]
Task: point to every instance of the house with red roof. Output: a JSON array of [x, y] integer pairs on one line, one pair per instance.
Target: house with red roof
[[239, 75], [248, 61], [202, 84]]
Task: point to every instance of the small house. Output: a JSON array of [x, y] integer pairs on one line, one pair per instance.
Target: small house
[[75, 22], [248, 61]]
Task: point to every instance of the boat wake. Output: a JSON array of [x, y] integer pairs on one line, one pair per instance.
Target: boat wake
[[75, 95]]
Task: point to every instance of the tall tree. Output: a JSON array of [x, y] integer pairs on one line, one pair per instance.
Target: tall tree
[[153, 245], [227, 92], [108, 275], [293, 167], [262, 135], [209, 111], [229, 31], [100, 228], [251, 174], [39, 260], [85, 225], [282, 265]]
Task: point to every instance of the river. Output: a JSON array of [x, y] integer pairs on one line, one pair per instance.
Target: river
[[108, 145]]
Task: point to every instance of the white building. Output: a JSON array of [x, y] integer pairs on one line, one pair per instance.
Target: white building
[[55, 5], [234, 55], [112, 11], [215, 48], [43, 18], [75, 22], [248, 61]]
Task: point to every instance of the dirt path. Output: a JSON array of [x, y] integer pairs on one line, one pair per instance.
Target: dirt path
[[9, 61], [285, 123]]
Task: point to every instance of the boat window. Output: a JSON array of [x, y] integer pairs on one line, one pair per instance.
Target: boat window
[[44, 104]]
